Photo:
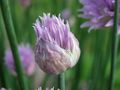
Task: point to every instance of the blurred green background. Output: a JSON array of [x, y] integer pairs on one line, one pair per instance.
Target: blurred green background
[[93, 69]]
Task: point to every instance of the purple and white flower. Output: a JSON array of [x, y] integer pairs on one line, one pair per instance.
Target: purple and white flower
[[56, 48]]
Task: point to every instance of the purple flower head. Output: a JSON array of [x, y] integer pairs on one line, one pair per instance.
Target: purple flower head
[[25, 3], [99, 12], [27, 59], [56, 48]]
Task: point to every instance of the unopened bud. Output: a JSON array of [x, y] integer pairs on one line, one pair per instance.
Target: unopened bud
[[56, 48]]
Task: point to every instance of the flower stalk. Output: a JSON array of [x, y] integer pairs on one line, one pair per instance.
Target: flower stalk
[[61, 81], [114, 46], [13, 42], [2, 66]]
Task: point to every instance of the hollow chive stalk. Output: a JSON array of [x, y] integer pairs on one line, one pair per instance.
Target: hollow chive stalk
[[4, 82], [114, 46], [13, 42], [61, 81]]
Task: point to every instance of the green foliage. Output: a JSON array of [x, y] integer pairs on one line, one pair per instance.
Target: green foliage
[[93, 69]]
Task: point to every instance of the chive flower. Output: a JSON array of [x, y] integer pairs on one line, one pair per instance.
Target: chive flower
[[27, 59], [56, 48], [99, 13]]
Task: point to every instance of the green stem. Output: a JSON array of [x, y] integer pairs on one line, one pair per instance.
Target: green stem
[[2, 62], [75, 85], [61, 81], [81, 38], [13, 42], [96, 65], [46, 78], [105, 60], [114, 46], [14, 19], [79, 66]]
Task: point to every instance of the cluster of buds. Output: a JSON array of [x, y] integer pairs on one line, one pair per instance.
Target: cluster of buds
[[56, 48]]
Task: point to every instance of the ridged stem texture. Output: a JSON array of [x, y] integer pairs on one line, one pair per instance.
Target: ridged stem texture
[[114, 46], [13, 42]]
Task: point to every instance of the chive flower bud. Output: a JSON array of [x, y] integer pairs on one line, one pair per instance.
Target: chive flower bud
[[56, 48]]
